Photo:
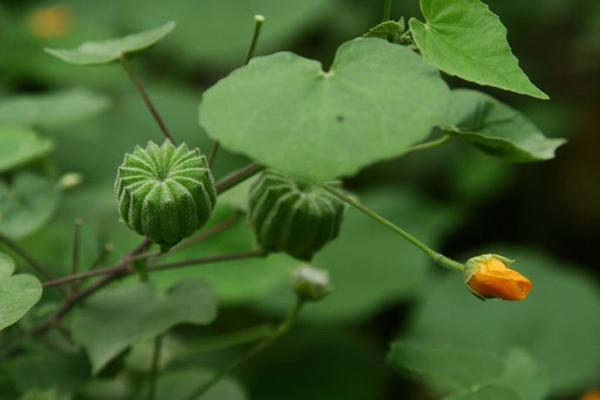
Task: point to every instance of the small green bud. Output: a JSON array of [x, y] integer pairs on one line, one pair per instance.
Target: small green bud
[[310, 284], [70, 181], [165, 193], [291, 216]]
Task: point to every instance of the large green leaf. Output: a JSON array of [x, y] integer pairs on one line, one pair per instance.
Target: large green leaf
[[286, 112], [26, 203], [107, 51], [558, 324], [466, 374], [464, 38], [116, 318], [370, 271], [18, 293], [53, 110], [497, 129], [19, 146]]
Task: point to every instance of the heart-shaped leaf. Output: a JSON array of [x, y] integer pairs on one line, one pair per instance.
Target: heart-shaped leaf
[[107, 51], [52, 111], [18, 293], [26, 203], [116, 318], [286, 112], [19, 146], [497, 129], [464, 38]]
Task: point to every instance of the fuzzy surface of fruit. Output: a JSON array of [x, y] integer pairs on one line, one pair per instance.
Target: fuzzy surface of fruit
[[292, 216], [165, 193]]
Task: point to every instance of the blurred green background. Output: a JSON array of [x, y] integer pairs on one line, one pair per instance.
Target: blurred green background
[[547, 215]]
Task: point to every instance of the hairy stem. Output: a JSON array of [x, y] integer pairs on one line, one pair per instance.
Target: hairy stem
[[438, 258], [387, 10], [21, 252], [125, 270], [238, 177], [76, 251], [281, 330], [258, 21], [156, 353], [137, 82]]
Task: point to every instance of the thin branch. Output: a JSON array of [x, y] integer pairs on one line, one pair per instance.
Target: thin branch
[[97, 272], [76, 251], [21, 252], [282, 329], [124, 270], [137, 82], [258, 21], [156, 353], [208, 260], [238, 177], [209, 233]]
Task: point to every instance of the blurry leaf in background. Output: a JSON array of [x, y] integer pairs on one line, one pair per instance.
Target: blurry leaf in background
[[558, 324], [497, 129], [118, 317], [107, 51], [52, 111], [179, 384], [216, 33], [465, 39], [369, 266], [50, 394], [20, 145], [319, 364], [18, 293], [43, 369], [26, 203], [335, 122], [234, 282], [464, 372]]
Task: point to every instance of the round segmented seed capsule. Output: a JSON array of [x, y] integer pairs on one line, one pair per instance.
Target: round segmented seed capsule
[[291, 216], [165, 193]]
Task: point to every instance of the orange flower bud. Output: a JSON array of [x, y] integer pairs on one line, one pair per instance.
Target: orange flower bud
[[488, 276]]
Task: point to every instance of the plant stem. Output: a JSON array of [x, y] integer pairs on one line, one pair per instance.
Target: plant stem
[[137, 82], [258, 21], [387, 10], [123, 270], [96, 272], [438, 258], [208, 260], [21, 252], [76, 251], [429, 145], [156, 353], [210, 232], [232, 339], [237, 177], [281, 330]]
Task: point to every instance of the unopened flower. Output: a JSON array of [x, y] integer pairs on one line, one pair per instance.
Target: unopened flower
[[310, 284], [488, 276]]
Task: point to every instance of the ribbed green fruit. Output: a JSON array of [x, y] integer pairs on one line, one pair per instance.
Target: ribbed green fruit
[[165, 193], [294, 217]]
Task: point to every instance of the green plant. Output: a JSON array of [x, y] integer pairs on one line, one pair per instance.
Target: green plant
[[301, 126]]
